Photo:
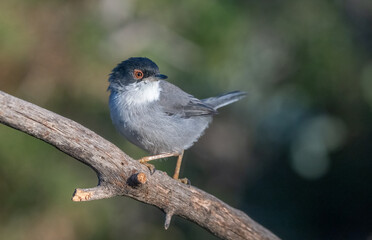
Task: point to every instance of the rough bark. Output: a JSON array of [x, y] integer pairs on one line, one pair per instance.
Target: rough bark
[[120, 175]]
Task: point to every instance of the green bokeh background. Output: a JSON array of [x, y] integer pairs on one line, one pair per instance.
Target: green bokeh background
[[295, 155]]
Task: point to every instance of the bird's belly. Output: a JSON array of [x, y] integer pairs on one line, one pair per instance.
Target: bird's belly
[[156, 132]]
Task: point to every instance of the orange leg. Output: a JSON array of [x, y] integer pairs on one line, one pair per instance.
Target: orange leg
[[178, 166], [154, 157], [177, 170], [151, 167], [145, 161]]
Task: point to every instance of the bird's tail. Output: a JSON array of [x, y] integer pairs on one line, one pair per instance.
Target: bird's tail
[[224, 99]]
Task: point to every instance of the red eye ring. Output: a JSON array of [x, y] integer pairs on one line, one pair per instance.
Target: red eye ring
[[138, 74]]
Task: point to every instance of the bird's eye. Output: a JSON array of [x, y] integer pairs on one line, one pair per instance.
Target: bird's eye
[[138, 74]]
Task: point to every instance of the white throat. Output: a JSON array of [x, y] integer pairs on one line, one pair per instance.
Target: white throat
[[142, 92]]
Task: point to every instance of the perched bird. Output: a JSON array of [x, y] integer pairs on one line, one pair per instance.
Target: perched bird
[[156, 115]]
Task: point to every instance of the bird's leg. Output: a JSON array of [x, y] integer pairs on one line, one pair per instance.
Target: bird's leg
[[151, 167], [177, 170], [178, 166]]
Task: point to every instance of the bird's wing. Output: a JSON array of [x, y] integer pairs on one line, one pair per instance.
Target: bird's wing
[[196, 108], [174, 101]]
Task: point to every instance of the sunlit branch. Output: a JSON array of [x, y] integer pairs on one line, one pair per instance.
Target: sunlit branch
[[120, 175]]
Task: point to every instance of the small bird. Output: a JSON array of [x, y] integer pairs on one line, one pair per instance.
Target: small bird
[[156, 115]]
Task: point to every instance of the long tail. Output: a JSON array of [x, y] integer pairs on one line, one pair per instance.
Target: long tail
[[224, 99]]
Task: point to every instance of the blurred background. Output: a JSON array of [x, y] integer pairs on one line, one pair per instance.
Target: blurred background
[[295, 155]]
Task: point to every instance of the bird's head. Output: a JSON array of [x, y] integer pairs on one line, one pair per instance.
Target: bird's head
[[134, 71]]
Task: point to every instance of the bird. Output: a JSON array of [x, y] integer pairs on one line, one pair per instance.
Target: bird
[[156, 115]]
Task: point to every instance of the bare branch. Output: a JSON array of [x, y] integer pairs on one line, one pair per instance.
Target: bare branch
[[120, 175], [88, 194]]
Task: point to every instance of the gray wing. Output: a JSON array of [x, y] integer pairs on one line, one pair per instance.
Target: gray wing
[[174, 101]]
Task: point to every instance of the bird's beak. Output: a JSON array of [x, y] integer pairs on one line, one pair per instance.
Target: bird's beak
[[160, 76], [155, 77]]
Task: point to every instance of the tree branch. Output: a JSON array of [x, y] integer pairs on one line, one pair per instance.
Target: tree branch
[[120, 175]]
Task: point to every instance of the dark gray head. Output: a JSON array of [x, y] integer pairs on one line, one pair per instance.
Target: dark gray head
[[133, 70]]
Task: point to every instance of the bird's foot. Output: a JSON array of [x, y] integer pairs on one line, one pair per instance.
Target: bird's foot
[[184, 181], [148, 165]]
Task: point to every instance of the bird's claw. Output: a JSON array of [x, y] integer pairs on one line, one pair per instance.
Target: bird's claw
[[184, 181], [148, 165]]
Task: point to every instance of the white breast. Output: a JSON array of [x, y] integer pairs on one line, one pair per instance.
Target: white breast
[[127, 103], [142, 93]]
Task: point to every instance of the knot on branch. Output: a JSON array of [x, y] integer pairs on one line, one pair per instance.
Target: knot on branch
[[137, 179]]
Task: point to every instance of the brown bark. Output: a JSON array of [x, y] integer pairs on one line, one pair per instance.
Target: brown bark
[[120, 175]]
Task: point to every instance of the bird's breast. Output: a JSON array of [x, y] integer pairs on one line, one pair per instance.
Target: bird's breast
[[141, 93]]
